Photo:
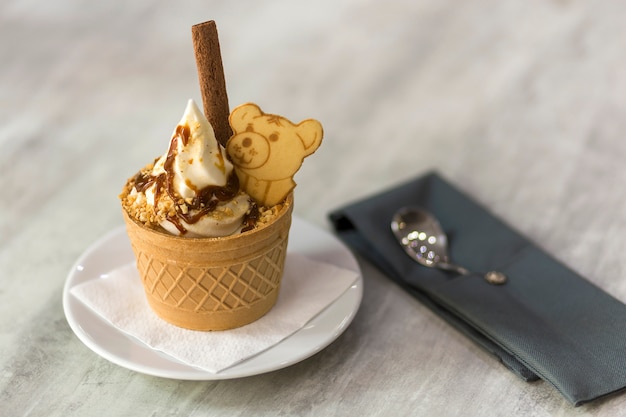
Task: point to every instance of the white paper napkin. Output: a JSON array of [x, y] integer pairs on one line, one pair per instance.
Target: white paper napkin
[[307, 288]]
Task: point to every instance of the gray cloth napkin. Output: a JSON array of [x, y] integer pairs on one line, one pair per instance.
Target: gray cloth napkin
[[546, 322]]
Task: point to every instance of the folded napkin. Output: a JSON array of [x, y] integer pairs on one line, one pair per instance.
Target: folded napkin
[[307, 288], [545, 322]]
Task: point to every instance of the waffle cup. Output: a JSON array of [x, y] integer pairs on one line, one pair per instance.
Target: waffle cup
[[212, 283]]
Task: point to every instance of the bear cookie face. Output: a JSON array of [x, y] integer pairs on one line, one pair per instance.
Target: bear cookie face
[[267, 150]]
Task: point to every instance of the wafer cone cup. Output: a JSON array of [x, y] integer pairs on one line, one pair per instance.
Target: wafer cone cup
[[212, 283]]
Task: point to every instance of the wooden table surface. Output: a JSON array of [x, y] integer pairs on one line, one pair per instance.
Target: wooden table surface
[[520, 104]]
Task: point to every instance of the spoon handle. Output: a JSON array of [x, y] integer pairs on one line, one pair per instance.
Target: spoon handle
[[492, 277], [452, 267]]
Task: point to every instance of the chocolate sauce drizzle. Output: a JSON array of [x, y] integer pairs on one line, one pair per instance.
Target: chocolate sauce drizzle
[[206, 199]]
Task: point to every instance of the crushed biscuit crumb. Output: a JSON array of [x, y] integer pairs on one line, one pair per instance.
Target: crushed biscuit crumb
[[137, 207]]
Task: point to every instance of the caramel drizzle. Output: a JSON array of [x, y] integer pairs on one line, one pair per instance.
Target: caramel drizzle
[[206, 199]]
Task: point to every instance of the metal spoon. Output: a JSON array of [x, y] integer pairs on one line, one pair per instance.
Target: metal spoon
[[423, 239]]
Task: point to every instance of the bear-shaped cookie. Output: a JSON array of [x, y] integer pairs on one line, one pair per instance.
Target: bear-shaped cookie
[[267, 150]]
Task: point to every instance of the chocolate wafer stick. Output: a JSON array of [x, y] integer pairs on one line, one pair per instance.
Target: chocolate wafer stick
[[206, 46]]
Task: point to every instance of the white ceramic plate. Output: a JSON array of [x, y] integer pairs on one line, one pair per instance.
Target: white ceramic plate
[[113, 250]]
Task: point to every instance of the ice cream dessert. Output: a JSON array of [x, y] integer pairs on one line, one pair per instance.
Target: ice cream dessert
[[209, 229], [192, 190], [209, 220]]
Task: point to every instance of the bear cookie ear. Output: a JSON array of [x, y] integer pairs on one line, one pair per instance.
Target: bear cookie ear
[[310, 132], [242, 115]]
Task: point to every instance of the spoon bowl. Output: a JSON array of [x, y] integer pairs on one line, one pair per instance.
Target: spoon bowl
[[423, 239]]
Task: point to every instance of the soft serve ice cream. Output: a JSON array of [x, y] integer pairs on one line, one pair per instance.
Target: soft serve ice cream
[[209, 221], [192, 190], [209, 224]]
